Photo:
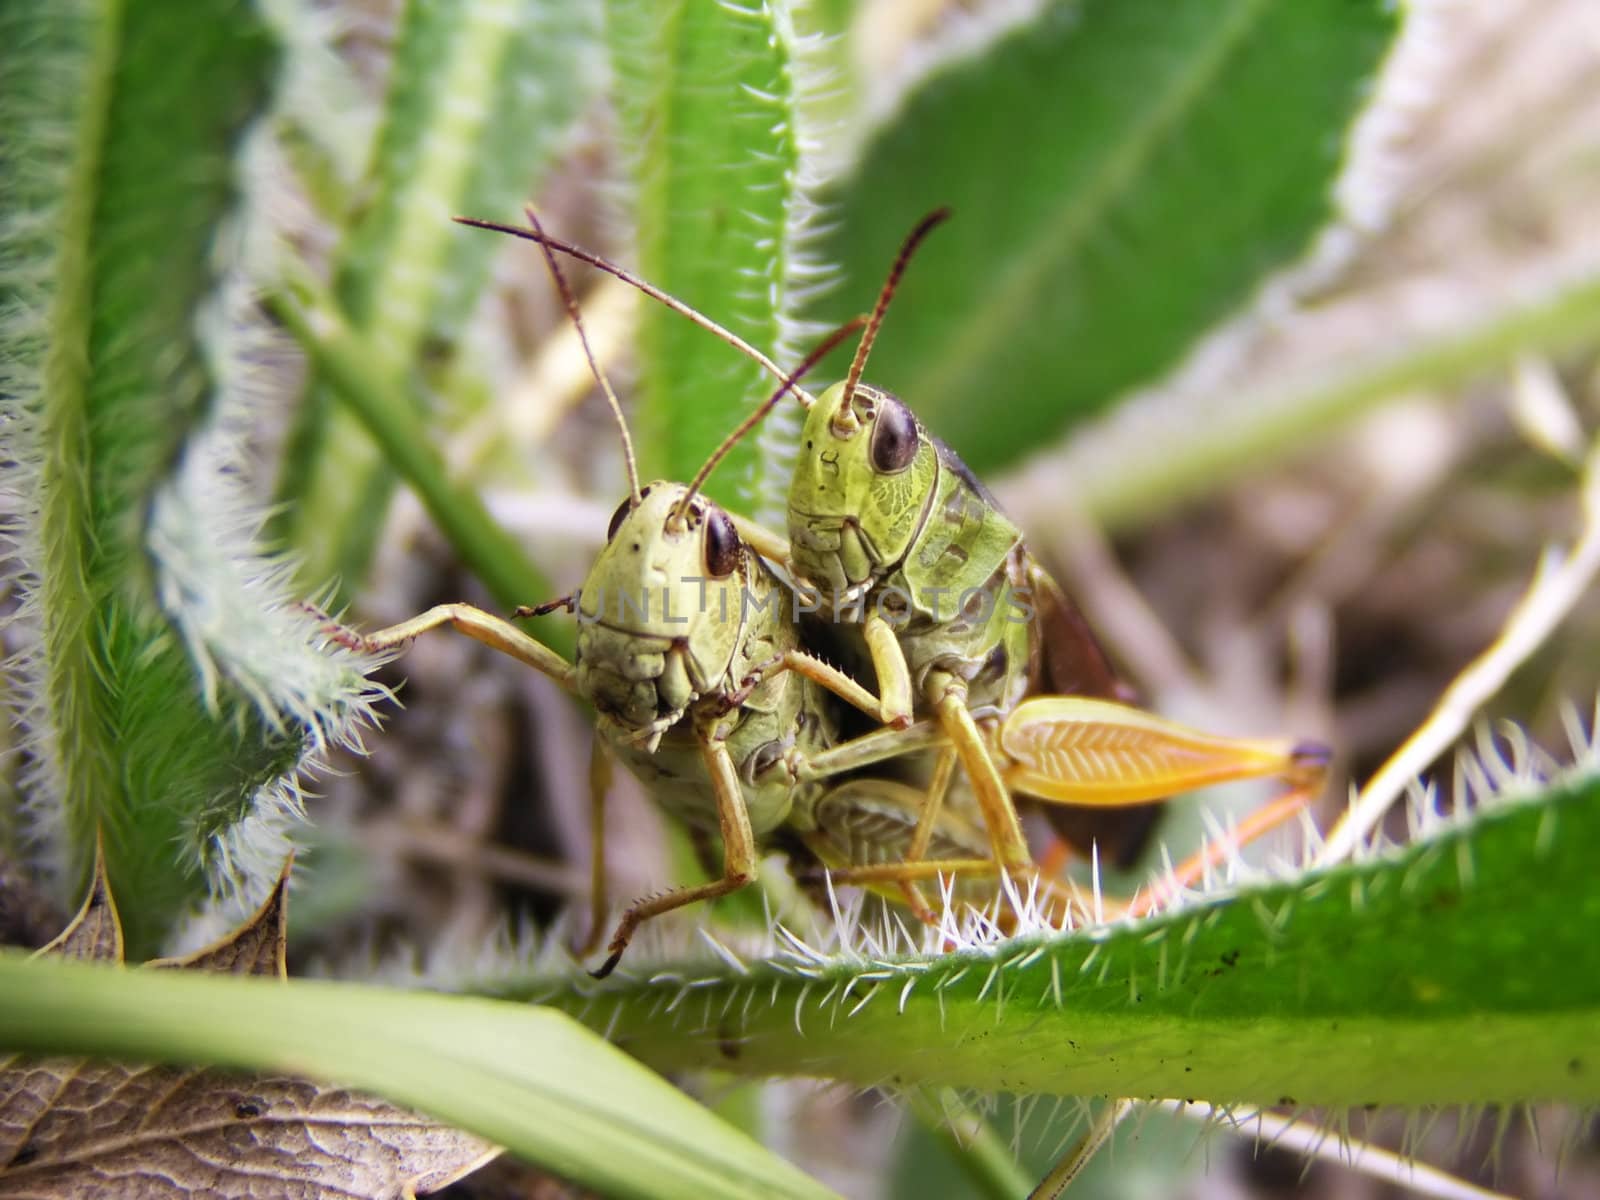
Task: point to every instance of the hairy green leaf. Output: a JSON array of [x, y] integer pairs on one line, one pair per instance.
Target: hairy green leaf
[[1401, 980], [1123, 174], [324, 119], [705, 97], [128, 158]]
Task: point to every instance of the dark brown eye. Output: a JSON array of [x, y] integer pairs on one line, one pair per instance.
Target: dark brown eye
[[722, 545], [894, 437], [616, 519]]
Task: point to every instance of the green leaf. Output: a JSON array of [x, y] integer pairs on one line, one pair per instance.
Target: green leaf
[[1401, 980], [481, 96], [1123, 174], [705, 99], [1153, 1154], [124, 128], [529, 1079]]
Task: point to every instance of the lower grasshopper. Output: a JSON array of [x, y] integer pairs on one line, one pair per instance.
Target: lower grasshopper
[[899, 544]]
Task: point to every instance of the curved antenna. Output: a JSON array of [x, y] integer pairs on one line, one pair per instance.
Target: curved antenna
[[821, 351], [649, 289], [571, 302], [901, 261]]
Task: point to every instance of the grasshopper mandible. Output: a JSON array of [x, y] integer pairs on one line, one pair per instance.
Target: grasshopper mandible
[[900, 545]]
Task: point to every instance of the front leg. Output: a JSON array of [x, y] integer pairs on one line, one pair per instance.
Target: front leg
[[738, 853], [763, 541], [495, 632], [889, 664], [892, 706], [822, 674]]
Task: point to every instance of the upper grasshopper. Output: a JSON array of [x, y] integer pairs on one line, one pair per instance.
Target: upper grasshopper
[[897, 537], [906, 552]]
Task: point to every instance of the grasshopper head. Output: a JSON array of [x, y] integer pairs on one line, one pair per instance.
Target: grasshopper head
[[861, 484], [661, 612]]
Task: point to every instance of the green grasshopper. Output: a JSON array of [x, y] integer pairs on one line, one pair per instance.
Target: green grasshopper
[[955, 612], [896, 536], [688, 650], [900, 545]]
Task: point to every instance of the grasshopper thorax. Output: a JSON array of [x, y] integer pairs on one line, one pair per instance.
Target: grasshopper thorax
[[661, 612], [860, 489]]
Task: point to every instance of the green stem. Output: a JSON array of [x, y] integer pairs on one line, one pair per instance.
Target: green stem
[[346, 361], [1268, 428], [982, 1154]]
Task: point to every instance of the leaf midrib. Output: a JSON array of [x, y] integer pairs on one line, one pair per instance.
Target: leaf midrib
[[1011, 300], [70, 588]]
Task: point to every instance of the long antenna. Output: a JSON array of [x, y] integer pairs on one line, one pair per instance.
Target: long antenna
[[649, 289], [822, 350], [571, 302], [901, 261]]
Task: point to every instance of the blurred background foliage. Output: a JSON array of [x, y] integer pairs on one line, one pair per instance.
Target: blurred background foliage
[[1274, 324]]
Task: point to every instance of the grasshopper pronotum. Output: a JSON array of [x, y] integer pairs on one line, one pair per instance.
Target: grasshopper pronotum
[[884, 520]]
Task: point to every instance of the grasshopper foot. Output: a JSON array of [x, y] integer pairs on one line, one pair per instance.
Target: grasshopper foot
[[337, 631], [747, 685], [559, 604], [619, 942]]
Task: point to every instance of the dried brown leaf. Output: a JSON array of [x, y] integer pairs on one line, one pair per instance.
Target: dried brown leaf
[[95, 934], [153, 1133], [255, 948], [87, 1128]]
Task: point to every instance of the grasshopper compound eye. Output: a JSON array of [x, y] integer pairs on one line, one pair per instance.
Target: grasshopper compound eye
[[894, 437], [722, 545]]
